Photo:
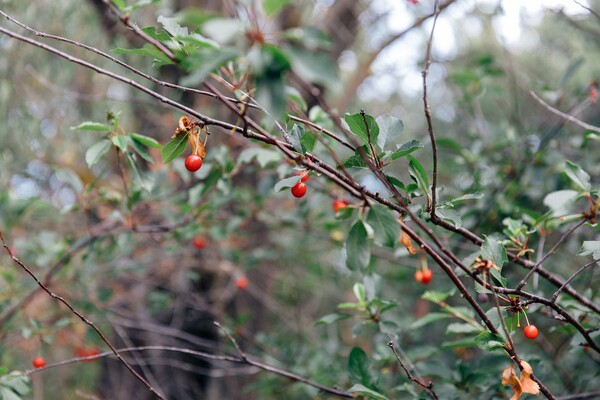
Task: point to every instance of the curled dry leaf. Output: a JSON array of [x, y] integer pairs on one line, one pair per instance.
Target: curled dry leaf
[[407, 242], [197, 146], [523, 385]]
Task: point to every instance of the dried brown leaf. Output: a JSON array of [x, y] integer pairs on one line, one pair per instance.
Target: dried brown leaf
[[528, 384], [523, 385], [407, 242]]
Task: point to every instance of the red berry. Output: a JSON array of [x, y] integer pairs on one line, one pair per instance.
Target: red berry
[[303, 174], [339, 204], [199, 242], [530, 331], [38, 362], [193, 162], [419, 276], [427, 276], [241, 282], [299, 189]]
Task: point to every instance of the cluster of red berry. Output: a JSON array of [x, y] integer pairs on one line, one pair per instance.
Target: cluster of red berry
[[423, 276]]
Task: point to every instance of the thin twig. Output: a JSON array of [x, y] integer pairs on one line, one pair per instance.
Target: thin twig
[[592, 11], [560, 289], [131, 25], [80, 316], [552, 250], [427, 110], [428, 387], [580, 396], [561, 114], [245, 359], [321, 129], [117, 61]]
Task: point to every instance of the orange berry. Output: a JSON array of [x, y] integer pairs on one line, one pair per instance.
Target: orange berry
[[419, 276]]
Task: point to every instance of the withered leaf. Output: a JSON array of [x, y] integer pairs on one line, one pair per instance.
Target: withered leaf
[[407, 242], [523, 385]]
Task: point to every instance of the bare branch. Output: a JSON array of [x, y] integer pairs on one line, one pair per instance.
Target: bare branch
[[561, 114], [427, 110], [428, 387], [80, 316]]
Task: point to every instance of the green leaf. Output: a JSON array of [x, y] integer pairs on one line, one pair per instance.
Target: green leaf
[[7, 394], [461, 328], [296, 134], [313, 66], [149, 51], [145, 140], [263, 156], [139, 4], [16, 382], [468, 196], [91, 126], [489, 341], [590, 247], [94, 153], [272, 7], [390, 129], [286, 183], [356, 161], [359, 292], [120, 4], [491, 249], [120, 141], [450, 215], [385, 225], [435, 297], [463, 343], [331, 318], [364, 391], [172, 26], [358, 366], [174, 148], [356, 123], [349, 306], [358, 250], [269, 63], [141, 150], [578, 176], [417, 172], [428, 319], [396, 182], [308, 141], [561, 202], [139, 177], [205, 61], [406, 149]]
